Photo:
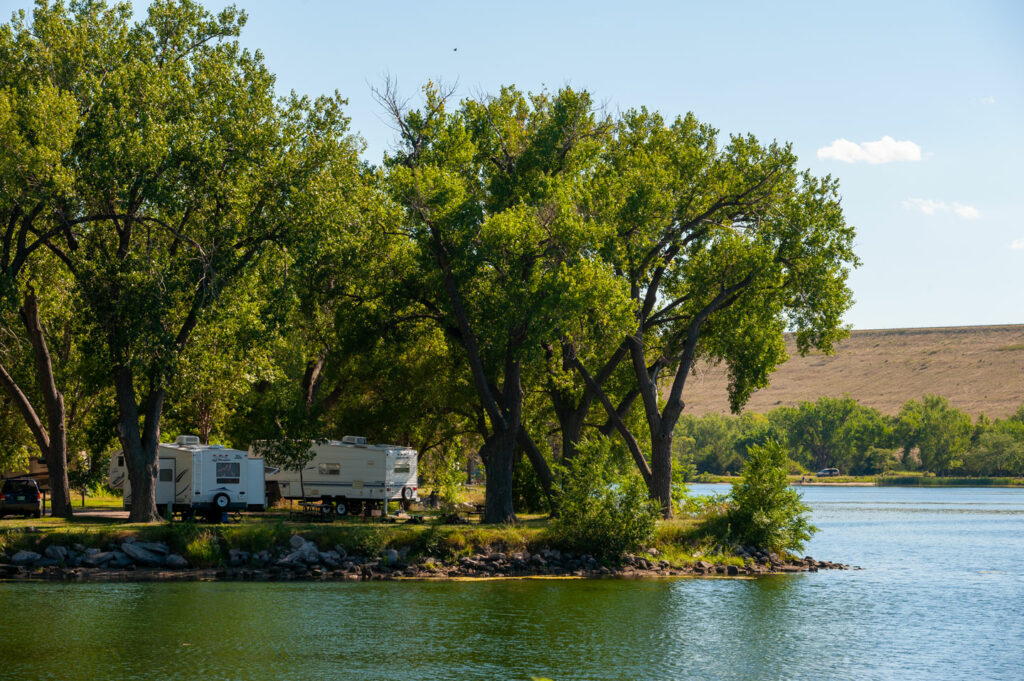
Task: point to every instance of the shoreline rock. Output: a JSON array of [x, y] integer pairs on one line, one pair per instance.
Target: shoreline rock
[[302, 560]]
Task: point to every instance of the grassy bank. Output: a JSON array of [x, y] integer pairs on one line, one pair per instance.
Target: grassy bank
[[936, 481], [204, 545], [901, 478]]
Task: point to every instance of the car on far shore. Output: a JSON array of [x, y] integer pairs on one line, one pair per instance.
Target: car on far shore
[[20, 496], [828, 473]]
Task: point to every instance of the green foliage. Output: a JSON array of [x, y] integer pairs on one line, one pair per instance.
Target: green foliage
[[15, 436], [939, 432], [601, 511], [204, 550], [527, 492], [764, 510], [838, 432]]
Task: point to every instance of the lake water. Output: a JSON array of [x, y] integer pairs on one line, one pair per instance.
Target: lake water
[[941, 596]]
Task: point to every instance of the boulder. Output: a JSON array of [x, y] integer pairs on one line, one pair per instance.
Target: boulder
[[121, 560], [98, 559], [57, 553], [176, 562], [238, 558], [25, 558], [653, 552], [142, 556], [732, 570], [296, 542], [157, 547], [342, 554], [292, 559], [309, 553]]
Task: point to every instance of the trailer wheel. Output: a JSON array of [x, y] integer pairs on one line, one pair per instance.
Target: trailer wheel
[[221, 501], [355, 508], [340, 508], [407, 493]]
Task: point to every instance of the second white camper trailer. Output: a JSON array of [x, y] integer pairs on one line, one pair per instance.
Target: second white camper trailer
[[351, 475], [197, 478]]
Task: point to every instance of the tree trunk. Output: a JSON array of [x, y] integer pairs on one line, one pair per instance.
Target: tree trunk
[[661, 471], [500, 451], [56, 452], [140, 449]]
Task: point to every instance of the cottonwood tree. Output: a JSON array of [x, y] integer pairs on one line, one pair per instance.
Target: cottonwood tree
[[492, 194], [37, 125], [940, 432], [722, 249], [185, 168]]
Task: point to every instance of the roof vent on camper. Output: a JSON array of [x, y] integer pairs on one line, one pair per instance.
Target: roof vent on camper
[[354, 440], [187, 440]]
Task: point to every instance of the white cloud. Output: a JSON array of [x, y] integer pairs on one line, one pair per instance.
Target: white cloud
[[988, 100], [966, 212], [885, 150], [1017, 245], [931, 207]]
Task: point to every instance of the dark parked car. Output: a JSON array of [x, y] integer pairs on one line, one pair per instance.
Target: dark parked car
[[20, 496]]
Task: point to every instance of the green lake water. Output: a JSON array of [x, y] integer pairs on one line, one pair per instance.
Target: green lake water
[[941, 596]]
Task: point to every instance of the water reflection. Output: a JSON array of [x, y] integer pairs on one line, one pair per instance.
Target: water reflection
[[938, 599]]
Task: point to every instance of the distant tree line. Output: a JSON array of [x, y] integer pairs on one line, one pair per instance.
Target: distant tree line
[[927, 435]]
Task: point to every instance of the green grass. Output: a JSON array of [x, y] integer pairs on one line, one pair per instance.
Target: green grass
[[207, 545], [936, 481]]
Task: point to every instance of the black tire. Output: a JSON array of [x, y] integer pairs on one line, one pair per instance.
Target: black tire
[[355, 507], [340, 507], [221, 502], [407, 494]]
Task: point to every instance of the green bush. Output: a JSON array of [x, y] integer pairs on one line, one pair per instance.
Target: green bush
[[765, 511], [527, 492], [602, 511], [204, 550]]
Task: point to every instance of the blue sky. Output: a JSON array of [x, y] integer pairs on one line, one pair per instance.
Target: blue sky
[[938, 200]]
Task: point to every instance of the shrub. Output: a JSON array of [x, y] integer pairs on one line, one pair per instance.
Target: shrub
[[204, 550], [602, 511], [764, 510]]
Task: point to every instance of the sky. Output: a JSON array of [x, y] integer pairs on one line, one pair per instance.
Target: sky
[[916, 107]]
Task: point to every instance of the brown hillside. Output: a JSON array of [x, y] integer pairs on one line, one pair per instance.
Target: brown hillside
[[979, 368]]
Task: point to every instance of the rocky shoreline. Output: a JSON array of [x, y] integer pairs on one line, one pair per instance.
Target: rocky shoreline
[[137, 561]]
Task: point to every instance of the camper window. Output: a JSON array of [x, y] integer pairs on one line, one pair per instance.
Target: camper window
[[228, 473], [402, 466], [329, 469], [166, 474]]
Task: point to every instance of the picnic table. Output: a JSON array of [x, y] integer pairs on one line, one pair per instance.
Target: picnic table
[[313, 511]]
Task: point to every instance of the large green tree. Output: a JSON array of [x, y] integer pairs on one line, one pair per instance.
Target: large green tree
[[37, 126], [493, 195], [939, 432], [184, 168], [722, 248]]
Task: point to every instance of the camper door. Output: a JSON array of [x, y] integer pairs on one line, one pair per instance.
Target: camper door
[[165, 482]]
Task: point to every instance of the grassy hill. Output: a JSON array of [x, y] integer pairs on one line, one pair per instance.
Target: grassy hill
[[979, 368]]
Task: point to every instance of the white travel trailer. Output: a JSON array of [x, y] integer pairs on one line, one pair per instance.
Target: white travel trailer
[[199, 478], [351, 475]]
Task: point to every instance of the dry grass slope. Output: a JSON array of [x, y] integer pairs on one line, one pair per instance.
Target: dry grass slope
[[979, 368]]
